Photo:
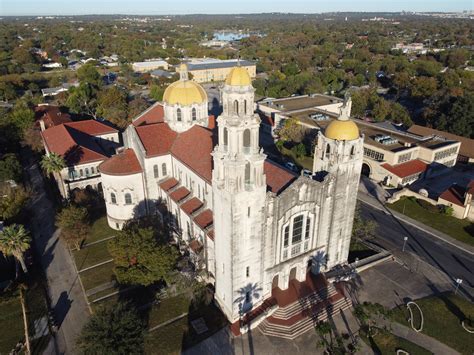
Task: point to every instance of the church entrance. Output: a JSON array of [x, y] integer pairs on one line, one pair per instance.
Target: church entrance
[[365, 170], [292, 275], [275, 282]]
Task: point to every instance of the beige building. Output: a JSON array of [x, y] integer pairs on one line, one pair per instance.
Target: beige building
[[460, 200], [215, 70], [149, 65]]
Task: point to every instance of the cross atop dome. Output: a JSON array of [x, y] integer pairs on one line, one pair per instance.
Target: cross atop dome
[[183, 72]]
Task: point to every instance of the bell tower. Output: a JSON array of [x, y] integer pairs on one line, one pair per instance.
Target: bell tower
[[339, 152], [239, 193]]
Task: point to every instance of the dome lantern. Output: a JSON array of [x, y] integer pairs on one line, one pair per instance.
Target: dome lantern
[[343, 129]]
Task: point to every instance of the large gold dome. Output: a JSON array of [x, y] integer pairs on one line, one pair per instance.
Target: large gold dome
[[184, 92], [238, 76], [342, 130]]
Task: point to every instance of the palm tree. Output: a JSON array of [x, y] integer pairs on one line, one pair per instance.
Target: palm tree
[[52, 163], [14, 241]]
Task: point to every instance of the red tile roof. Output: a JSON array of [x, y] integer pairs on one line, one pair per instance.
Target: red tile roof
[[210, 234], [92, 127], [124, 163], [154, 114], [204, 219], [51, 116], [191, 205], [74, 146], [179, 194], [454, 194], [193, 148], [409, 168], [470, 187], [168, 184], [278, 178], [157, 139]]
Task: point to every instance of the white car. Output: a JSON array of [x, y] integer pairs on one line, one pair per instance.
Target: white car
[[307, 173], [289, 165]]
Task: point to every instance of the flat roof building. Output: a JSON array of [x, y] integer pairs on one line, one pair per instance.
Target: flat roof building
[[215, 70]]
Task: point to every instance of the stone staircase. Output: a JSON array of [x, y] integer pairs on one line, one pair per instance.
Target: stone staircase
[[296, 318]]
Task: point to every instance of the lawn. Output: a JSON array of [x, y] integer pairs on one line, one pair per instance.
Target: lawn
[[167, 309], [180, 335], [387, 343], [99, 230], [456, 228], [91, 255], [97, 276], [303, 162], [359, 250], [11, 322], [443, 314]]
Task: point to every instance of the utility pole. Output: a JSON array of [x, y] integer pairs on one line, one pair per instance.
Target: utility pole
[[404, 243], [458, 282]]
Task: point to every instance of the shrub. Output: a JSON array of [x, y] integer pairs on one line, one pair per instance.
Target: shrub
[[428, 206]]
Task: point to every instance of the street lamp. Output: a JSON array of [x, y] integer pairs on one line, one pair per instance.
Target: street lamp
[[458, 282], [404, 243]]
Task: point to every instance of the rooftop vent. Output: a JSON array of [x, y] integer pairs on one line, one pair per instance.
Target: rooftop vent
[[319, 117], [385, 139]]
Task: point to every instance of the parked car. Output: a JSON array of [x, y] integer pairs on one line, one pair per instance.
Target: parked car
[[290, 166], [307, 173]]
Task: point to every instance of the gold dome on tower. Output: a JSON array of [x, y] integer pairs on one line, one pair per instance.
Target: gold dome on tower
[[238, 76], [184, 92], [342, 130]]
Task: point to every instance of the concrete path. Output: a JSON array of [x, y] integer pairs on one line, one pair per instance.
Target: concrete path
[[65, 292]]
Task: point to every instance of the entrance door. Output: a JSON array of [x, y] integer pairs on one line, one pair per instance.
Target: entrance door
[[275, 282], [365, 170], [292, 274]]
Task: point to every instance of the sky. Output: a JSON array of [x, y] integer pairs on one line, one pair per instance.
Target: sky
[[162, 7]]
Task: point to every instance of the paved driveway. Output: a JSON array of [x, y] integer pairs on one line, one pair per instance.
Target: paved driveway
[[67, 298]]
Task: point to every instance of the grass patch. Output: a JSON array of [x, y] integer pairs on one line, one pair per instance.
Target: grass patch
[[99, 230], [459, 229], [97, 276], [443, 314], [167, 309], [386, 343], [11, 322], [359, 250], [91, 255], [303, 162], [103, 293], [180, 335]]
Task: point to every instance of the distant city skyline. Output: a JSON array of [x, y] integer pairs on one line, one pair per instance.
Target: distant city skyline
[[150, 7]]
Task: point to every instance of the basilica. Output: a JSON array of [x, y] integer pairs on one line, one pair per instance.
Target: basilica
[[262, 233]]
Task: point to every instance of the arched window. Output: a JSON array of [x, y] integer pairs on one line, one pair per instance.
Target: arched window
[[163, 169], [81, 173], [328, 150], [92, 170], [308, 226], [178, 114], [297, 229], [352, 150], [226, 136], [286, 236], [113, 199], [247, 138], [236, 107], [245, 107], [128, 199], [71, 175], [155, 171], [87, 171], [247, 173], [194, 114]]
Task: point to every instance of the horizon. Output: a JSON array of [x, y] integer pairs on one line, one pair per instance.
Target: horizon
[[9, 8]]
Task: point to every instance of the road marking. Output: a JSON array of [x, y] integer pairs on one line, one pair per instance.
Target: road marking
[[418, 227]]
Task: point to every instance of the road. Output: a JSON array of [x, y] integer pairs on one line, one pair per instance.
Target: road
[[451, 260], [65, 292]]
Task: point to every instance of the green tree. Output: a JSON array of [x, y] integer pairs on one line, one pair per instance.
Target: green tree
[[300, 150], [139, 259], [22, 117], [136, 107], [291, 131], [52, 163], [88, 74], [116, 329], [10, 168], [13, 202], [14, 241], [112, 105], [83, 99], [460, 117], [156, 92], [422, 87], [399, 114], [32, 139], [381, 109], [73, 221]]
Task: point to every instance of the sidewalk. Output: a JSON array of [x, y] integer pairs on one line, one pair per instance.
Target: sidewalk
[[434, 232]]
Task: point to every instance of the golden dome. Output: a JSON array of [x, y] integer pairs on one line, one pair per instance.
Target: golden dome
[[184, 92], [342, 130], [238, 76]]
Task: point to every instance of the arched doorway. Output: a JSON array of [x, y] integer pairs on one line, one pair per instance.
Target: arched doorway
[[292, 275], [365, 169], [275, 282]]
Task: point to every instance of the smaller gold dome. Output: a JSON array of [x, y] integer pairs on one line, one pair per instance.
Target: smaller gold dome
[[185, 93], [342, 130], [238, 76]]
